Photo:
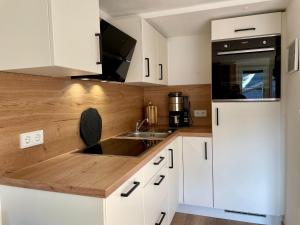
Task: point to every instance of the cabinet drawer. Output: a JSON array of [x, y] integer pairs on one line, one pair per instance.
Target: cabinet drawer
[[125, 205], [246, 26], [162, 216], [155, 198], [155, 165]]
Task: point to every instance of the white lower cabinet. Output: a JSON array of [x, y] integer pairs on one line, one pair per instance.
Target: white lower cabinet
[[174, 169], [155, 199], [125, 205], [198, 173]]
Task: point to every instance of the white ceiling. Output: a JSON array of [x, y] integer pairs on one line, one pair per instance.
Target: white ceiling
[[188, 17], [127, 7]]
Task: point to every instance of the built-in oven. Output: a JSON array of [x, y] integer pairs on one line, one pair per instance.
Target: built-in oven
[[247, 69]]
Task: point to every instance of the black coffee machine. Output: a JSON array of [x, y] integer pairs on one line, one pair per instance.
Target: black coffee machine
[[179, 110]]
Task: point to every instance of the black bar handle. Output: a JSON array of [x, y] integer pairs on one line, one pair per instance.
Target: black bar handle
[[172, 158], [148, 67], [161, 72], [159, 162], [162, 218], [162, 177], [205, 146], [245, 29], [136, 184], [100, 48], [217, 116]]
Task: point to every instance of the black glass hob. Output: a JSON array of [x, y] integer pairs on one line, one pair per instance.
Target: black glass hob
[[121, 147]]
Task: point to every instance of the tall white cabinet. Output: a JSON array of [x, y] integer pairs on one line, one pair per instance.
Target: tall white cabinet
[[198, 171], [50, 37], [248, 162], [149, 64]]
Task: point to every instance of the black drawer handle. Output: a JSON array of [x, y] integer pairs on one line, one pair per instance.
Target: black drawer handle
[[100, 48], [162, 177], [136, 184], [148, 67], [161, 72], [245, 29], [162, 218], [159, 162], [172, 159], [217, 116], [205, 146]]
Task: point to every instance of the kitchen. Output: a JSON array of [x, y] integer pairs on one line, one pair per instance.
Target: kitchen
[[215, 152]]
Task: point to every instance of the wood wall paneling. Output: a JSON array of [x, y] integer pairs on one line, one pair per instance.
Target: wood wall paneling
[[29, 103], [200, 98]]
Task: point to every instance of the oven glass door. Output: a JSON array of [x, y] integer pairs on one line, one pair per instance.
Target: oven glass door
[[246, 76]]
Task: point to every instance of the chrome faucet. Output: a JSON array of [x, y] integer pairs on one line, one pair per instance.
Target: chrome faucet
[[140, 124]]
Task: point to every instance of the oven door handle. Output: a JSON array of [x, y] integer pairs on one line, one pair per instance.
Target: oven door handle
[[246, 51]]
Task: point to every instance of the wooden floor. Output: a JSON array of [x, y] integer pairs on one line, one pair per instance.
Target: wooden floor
[[186, 219]]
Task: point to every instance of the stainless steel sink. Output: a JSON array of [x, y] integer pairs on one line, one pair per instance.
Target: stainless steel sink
[[145, 135]]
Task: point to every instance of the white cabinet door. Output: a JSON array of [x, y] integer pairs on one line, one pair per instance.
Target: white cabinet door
[[25, 34], [50, 37], [162, 56], [247, 157], [125, 205], [197, 164], [74, 26], [150, 53], [257, 25], [175, 157]]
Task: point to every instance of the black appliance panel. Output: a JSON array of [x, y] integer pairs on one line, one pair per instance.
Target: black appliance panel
[[247, 69], [121, 147]]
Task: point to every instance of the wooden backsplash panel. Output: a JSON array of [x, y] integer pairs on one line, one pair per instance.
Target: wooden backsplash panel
[[200, 98], [29, 103]]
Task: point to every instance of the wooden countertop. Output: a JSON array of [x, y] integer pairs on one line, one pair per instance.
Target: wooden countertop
[[89, 175]]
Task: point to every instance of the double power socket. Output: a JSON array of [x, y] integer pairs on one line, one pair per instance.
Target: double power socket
[[31, 139]]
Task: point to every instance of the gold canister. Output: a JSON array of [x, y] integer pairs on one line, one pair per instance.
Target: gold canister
[[151, 114]]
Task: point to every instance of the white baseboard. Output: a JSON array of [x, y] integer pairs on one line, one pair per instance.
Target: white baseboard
[[221, 214]]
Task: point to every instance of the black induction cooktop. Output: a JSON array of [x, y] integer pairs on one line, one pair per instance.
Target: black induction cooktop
[[121, 147]]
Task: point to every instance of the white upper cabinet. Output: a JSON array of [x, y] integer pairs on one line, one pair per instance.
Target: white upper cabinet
[[162, 59], [246, 26], [50, 37], [150, 58], [150, 53]]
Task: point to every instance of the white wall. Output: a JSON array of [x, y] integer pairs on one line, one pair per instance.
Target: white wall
[[293, 124], [190, 59]]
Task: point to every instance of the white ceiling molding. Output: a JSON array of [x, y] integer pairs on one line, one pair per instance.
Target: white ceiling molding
[[200, 7]]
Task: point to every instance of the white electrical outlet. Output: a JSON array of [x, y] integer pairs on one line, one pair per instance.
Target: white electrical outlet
[[31, 139], [200, 113]]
